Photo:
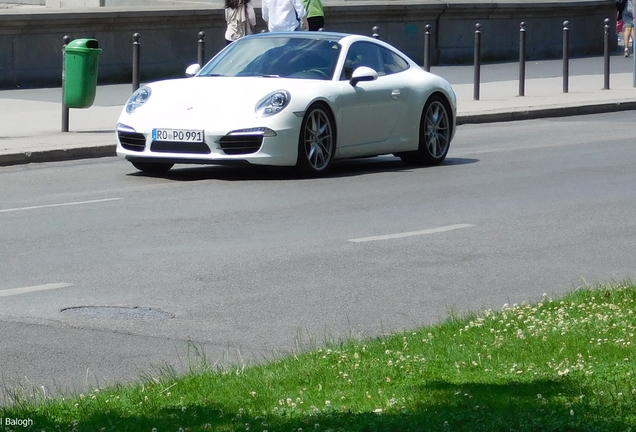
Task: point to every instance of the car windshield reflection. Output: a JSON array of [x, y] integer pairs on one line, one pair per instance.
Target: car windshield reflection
[[281, 56]]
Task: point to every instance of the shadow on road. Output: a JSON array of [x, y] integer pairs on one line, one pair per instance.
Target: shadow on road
[[346, 168]]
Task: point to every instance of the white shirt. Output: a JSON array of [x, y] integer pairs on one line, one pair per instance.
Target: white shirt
[[280, 15]]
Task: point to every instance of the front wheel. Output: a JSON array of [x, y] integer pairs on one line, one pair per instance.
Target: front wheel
[[153, 167], [435, 134], [316, 143]]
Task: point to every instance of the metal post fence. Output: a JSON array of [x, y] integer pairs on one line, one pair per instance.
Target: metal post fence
[[566, 55], [201, 49], [65, 113], [606, 55], [136, 47], [477, 61], [522, 59], [427, 48]]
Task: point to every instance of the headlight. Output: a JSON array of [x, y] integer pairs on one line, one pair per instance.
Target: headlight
[[273, 103], [138, 98]]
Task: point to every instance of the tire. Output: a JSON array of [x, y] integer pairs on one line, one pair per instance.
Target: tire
[[153, 167], [435, 134], [317, 141]]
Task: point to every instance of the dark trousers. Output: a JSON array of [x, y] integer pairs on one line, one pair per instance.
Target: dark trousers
[[316, 23]]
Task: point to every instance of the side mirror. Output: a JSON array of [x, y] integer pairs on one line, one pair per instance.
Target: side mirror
[[363, 73], [192, 70]]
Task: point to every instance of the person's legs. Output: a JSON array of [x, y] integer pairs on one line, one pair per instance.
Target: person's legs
[[627, 33], [316, 23]]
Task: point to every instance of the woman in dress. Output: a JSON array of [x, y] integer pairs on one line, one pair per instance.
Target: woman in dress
[[240, 19], [628, 25]]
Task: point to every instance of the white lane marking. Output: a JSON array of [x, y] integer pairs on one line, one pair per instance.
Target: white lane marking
[[16, 291], [411, 233], [59, 205]]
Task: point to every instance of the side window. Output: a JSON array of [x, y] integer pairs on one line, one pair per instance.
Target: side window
[[392, 62], [363, 54]]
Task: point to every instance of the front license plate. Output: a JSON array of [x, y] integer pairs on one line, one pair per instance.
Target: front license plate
[[179, 135]]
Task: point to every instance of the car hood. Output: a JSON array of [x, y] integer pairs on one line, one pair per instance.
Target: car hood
[[196, 102]]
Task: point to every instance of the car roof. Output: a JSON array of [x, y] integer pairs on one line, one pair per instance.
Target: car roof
[[320, 35]]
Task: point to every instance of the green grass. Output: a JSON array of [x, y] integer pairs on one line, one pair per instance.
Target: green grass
[[559, 365]]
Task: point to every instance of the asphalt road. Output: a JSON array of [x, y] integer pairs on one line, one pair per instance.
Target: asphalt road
[[247, 263]]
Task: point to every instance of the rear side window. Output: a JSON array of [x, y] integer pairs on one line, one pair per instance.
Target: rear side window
[[392, 62], [380, 59]]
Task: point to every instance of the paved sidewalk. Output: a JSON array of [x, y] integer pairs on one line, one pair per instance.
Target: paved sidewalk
[[30, 125]]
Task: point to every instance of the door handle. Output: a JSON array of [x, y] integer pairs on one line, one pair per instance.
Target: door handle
[[395, 94]]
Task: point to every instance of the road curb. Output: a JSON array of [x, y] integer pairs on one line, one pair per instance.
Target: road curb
[[495, 117], [58, 155]]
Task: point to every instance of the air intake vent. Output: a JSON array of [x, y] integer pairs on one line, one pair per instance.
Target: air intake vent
[[179, 147], [132, 140], [241, 144]]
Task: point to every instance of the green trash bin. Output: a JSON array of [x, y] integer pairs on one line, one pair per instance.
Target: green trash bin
[[81, 61]]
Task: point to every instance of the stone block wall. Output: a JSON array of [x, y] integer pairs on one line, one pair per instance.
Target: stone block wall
[[31, 40]]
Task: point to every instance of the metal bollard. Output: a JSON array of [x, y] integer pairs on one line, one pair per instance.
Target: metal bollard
[[606, 55], [201, 49], [477, 60], [65, 112], [427, 48], [522, 59], [135, 61], [375, 34], [566, 56]]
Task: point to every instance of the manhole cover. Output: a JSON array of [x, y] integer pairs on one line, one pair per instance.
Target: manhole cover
[[116, 313]]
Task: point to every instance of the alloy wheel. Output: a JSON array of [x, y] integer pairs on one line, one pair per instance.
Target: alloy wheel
[[437, 133], [318, 141]]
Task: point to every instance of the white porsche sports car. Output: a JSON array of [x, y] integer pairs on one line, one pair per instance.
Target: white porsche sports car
[[299, 99]]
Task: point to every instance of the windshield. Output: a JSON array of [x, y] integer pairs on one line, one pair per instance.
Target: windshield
[[283, 56]]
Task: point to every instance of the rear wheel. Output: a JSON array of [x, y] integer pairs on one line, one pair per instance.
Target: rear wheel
[[435, 134], [153, 167], [317, 141]]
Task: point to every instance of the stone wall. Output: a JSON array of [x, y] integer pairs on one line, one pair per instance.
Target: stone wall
[[31, 40]]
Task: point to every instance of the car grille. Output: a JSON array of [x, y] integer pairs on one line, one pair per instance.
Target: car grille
[[132, 140], [179, 147], [241, 144]]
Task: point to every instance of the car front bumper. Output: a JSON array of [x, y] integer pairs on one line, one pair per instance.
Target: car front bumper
[[258, 145]]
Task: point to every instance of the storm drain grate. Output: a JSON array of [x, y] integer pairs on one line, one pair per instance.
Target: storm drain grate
[[116, 313]]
